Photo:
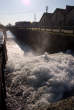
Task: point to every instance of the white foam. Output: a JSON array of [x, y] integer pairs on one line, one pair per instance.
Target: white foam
[[37, 79]]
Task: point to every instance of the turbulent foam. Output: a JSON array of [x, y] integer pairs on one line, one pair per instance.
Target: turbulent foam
[[35, 81]]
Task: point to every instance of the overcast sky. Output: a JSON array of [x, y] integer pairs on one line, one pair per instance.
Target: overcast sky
[[25, 10]]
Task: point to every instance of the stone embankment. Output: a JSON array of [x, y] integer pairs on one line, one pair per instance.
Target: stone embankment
[[3, 59]]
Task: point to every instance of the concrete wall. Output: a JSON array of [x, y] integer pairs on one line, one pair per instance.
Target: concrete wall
[[42, 41]]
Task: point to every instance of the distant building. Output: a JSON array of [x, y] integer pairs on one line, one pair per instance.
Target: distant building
[[69, 8], [70, 16], [45, 21], [35, 24], [27, 24], [60, 18], [23, 24]]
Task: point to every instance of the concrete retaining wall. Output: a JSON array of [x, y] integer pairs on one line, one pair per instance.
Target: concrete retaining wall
[[42, 41]]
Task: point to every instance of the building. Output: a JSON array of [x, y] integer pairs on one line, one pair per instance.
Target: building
[[45, 21], [60, 18], [35, 24], [23, 24], [70, 16]]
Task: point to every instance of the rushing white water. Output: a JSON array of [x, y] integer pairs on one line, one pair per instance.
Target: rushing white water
[[35, 81]]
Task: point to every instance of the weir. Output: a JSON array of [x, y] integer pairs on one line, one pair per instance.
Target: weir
[[36, 80], [30, 76], [43, 40]]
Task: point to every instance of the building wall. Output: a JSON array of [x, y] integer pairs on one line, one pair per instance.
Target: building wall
[[23, 24], [70, 18], [58, 19], [45, 21]]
